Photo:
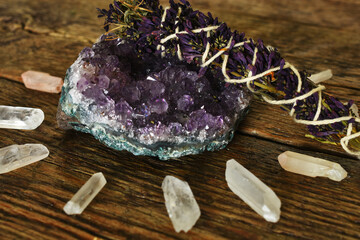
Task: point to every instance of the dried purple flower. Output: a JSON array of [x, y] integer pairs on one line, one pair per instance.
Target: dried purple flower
[[181, 31]]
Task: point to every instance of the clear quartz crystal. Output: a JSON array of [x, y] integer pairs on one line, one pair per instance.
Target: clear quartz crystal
[[252, 191], [85, 195], [321, 76], [42, 81], [20, 117], [17, 156], [180, 203], [311, 166]]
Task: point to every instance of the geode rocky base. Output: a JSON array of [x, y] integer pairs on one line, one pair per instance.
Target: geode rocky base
[[149, 105]]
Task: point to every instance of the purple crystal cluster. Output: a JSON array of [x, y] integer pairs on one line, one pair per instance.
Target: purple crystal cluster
[[159, 107]]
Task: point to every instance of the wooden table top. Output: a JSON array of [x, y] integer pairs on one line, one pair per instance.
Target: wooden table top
[[48, 35]]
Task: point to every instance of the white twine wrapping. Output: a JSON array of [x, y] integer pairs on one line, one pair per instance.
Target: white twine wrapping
[[250, 78], [162, 47]]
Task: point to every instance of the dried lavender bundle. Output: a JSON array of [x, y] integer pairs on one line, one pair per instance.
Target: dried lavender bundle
[[203, 41]]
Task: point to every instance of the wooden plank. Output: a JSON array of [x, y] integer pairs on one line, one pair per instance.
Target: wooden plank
[[48, 36], [34, 55], [26, 51], [272, 123], [280, 30], [44, 36], [132, 202], [329, 14]]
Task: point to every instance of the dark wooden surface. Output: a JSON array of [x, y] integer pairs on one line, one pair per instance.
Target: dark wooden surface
[[48, 35]]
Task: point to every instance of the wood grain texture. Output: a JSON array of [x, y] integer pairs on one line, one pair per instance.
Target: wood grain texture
[[47, 36]]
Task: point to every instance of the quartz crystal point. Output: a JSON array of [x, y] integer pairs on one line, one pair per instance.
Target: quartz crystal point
[[17, 156], [311, 166], [85, 195], [321, 76], [20, 117], [180, 203], [158, 107], [41, 81], [252, 191]]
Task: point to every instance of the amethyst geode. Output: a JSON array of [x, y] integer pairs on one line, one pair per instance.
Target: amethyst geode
[[152, 106]]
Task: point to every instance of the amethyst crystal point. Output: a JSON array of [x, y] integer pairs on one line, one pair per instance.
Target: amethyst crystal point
[[153, 106]]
